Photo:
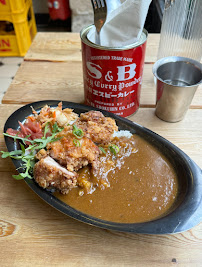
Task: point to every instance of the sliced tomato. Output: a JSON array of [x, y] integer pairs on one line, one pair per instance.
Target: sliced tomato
[[30, 127], [14, 132]]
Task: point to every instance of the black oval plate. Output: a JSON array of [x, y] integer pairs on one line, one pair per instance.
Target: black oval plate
[[188, 210]]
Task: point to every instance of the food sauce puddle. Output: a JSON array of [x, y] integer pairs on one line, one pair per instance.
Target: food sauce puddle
[[142, 187]]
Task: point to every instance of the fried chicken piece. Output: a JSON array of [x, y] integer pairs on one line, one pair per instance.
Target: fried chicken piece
[[97, 127], [52, 115], [41, 154], [73, 153], [48, 173]]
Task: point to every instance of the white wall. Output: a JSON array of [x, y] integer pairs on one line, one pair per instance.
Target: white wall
[[82, 14]]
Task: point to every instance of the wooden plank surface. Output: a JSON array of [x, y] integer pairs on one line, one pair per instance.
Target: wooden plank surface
[[67, 47], [53, 70], [55, 47], [39, 80], [33, 233]]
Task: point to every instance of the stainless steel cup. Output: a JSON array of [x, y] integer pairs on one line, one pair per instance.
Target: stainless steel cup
[[177, 79]]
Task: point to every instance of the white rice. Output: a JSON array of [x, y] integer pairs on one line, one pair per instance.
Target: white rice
[[121, 133]]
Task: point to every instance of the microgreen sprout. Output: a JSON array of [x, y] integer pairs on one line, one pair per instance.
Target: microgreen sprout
[[28, 152]]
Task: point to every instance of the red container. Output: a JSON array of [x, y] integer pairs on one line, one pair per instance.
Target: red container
[[59, 9], [113, 76]]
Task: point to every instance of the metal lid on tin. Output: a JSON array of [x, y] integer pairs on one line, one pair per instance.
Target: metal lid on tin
[[84, 33]]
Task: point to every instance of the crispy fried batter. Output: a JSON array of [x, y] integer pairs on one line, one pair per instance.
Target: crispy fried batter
[[58, 164], [97, 127], [41, 154], [73, 153], [48, 173]]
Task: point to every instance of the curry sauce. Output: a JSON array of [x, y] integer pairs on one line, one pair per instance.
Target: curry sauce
[[138, 184]]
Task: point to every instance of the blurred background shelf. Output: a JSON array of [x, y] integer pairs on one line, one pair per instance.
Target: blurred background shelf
[[82, 14]]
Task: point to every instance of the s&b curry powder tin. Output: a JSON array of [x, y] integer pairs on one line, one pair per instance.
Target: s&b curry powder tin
[[113, 76]]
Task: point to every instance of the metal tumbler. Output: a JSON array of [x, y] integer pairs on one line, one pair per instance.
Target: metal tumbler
[[177, 81]]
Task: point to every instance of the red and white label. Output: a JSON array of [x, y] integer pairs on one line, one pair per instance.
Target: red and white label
[[112, 79]]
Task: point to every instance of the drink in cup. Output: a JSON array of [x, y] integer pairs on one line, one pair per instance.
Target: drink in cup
[[177, 81]]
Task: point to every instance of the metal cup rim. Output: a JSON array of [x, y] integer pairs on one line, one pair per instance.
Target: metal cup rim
[[170, 59]]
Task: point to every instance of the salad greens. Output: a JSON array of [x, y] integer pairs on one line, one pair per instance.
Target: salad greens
[[29, 148], [28, 152]]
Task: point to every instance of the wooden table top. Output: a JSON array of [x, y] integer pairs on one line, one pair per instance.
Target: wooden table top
[[34, 234]]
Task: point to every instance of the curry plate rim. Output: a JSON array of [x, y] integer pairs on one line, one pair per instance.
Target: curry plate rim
[[184, 217]]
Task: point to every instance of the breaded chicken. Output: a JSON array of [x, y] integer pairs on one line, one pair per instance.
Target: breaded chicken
[[73, 153], [48, 173], [97, 127]]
